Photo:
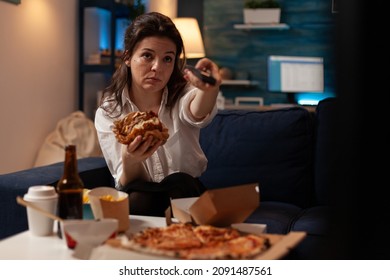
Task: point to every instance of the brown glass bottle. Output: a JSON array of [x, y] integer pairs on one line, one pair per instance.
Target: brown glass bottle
[[70, 188]]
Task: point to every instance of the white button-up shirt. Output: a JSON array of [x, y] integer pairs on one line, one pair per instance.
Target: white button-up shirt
[[181, 152]]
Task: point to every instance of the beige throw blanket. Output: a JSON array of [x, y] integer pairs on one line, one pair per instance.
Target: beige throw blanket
[[75, 129]]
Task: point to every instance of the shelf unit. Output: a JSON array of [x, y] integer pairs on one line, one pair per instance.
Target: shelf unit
[[245, 83], [117, 10], [278, 26], [267, 26]]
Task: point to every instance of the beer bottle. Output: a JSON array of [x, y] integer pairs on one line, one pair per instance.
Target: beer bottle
[[70, 188]]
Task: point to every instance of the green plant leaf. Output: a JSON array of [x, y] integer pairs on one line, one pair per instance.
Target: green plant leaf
[[261, 4]]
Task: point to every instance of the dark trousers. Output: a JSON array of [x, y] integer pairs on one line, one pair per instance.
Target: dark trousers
[[152, 199]]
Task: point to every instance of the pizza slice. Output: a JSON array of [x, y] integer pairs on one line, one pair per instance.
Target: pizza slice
[[186, 241]]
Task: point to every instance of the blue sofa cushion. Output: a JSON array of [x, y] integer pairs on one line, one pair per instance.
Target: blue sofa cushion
[[278, 216], [314, 221], [279, 158]]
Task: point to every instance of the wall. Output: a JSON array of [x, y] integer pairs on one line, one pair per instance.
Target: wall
[[186, 8], [38, 75], [311, 34]]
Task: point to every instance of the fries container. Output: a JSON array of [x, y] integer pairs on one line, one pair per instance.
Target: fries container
[[116, 207]]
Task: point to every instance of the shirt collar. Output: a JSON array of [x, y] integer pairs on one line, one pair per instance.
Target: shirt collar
[[132, 107]]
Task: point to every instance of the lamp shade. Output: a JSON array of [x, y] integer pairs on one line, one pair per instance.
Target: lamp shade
[[192, 38], [166, 7]]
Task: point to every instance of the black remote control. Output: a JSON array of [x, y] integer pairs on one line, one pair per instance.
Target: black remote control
[[205, 77]]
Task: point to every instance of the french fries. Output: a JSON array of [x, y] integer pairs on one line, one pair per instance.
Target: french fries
[[85, 196], [107, 197]]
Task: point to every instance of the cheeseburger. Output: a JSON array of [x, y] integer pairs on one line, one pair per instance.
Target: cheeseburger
[[140, 123]]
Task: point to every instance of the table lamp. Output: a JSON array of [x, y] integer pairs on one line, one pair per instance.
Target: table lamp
[[192, 38]]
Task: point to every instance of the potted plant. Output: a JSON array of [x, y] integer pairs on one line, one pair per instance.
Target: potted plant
[[262, 12]]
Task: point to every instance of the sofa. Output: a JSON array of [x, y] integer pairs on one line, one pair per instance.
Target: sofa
[[285, 150]]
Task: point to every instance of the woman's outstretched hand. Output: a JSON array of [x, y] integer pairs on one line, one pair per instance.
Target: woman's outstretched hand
[[207, 66]]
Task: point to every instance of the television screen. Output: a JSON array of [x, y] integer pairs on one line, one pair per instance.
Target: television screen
[[295, 74]]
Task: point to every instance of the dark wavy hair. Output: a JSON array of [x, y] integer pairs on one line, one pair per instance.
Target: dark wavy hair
[[143, 26]]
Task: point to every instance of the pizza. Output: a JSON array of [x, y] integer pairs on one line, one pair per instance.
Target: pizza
[[202, 242], [140, 123]]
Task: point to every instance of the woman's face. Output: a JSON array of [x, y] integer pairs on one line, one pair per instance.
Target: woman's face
[[152, 64]]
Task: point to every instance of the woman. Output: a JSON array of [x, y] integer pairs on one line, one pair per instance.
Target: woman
[[152, 77]]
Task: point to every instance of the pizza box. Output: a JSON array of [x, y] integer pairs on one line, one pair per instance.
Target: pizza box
[[218, 207]]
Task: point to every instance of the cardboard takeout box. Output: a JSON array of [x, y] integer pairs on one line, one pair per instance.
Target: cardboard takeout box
[[218, 207], [116, 208]]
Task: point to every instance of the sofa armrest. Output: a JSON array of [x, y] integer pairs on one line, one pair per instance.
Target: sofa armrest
[[93, 171]]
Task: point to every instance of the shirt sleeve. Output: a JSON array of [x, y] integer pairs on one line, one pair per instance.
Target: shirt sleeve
[[110, 147], [185, 114]]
